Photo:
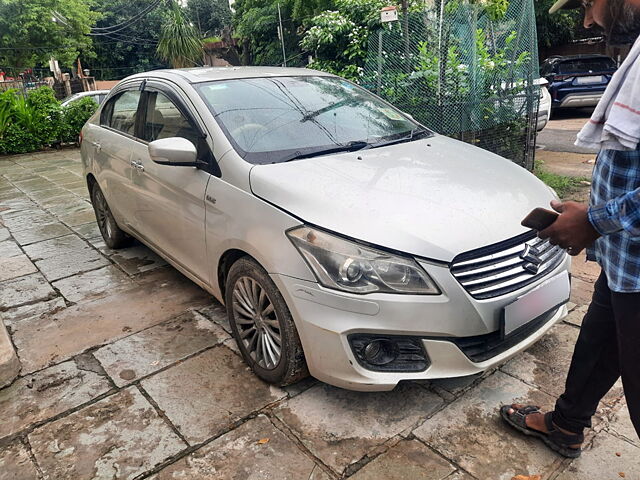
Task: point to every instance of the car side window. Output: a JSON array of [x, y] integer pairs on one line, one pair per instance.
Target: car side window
[[164, 120], [121, 112]]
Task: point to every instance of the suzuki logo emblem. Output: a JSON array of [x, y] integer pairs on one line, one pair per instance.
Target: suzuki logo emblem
[[532, 260]]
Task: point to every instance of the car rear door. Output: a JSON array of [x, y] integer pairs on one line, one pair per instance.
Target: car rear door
[[170, 200], [113, 146]]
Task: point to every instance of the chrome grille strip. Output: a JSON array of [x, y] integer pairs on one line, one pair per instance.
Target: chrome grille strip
[[487, 275]]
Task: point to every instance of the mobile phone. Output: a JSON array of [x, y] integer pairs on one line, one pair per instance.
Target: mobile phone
[[539, 219]]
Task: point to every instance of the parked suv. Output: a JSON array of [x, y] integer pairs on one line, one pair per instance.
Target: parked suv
[[578, 80], [345, 239]]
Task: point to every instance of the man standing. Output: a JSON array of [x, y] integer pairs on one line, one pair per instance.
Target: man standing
[[608, 346]]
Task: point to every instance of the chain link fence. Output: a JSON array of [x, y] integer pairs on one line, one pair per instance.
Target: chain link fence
[[463, 71]]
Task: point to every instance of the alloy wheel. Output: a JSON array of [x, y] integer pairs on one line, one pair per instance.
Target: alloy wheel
[[102, 215], [257, 322]]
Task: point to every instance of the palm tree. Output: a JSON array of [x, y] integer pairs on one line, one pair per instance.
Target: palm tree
[[179, 44]]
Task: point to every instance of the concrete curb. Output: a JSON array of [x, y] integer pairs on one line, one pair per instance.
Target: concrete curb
[[9, 363]]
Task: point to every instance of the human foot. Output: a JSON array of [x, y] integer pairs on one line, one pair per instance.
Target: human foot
[[531, 421]]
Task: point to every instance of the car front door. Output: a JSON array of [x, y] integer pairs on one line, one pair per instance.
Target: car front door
[[113, 146], [170, 200]]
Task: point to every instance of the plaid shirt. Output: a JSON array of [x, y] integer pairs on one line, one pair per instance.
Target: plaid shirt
[[614, 211]]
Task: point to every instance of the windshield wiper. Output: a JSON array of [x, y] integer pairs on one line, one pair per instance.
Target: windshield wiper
[[415, 134], [320, 111], [348, 147]]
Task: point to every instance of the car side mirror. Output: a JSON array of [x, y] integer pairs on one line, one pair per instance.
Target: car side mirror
[[176, 151]]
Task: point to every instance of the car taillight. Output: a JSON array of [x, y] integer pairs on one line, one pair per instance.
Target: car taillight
[[80, 138]]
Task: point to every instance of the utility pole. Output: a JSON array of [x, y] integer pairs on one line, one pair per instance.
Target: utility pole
[[281, 35]]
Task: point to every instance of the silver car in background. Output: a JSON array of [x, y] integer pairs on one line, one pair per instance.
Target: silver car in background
[[345, 239]]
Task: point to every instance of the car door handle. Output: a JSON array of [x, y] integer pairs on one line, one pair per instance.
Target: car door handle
[[137, 165]]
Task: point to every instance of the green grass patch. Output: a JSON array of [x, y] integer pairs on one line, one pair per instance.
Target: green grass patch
[[563, 185]]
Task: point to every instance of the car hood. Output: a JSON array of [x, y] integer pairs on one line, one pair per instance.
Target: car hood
[[432, 198]]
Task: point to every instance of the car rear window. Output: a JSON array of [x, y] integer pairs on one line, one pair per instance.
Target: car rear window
[[587, 65]]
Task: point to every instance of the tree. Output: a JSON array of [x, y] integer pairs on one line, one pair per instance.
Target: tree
[[132, 49], [179, 43], [557, 28], [210, 16], [33, 31]]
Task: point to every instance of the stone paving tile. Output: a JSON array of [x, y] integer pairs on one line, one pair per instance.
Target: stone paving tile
[[78, 218], [49, 338], [145, 352], [57, 200], [14, 267], [47, 393], [137, 259], [9, 248], [216, 312], [621, 425], [23, 290], [15, 463], [4, 234], [587, 271], [121, 436], [208, 393], [608, 457], [244, 454], [108, 280], [40, 233], [581, 291], [545, 364], [16, 314], [340, 426], [88, 230], [408, 460], [23, 219], [69, 208], [64, 256], [471, 433], [66, 245], [576, 315]]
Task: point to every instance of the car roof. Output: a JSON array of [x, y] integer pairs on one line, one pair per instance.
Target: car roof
[[560, 58], [207, 74]]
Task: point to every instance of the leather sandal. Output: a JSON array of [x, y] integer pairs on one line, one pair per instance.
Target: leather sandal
[[555, 439]]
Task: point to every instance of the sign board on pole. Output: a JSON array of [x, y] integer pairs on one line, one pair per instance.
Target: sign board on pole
[[389, 14]]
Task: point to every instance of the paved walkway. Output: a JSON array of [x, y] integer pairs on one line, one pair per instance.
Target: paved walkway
[[129, 371]]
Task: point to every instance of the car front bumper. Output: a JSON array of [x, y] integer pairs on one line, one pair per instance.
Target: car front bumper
[[325, 319]]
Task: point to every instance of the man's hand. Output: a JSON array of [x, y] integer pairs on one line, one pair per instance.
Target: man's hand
[[572, 230]]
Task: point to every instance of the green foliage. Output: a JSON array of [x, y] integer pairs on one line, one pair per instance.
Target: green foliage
[[29, 124], [180, 44], [558, 28], [131, 50], [75, 116], [209, 16], [29, 36], [563, 185]]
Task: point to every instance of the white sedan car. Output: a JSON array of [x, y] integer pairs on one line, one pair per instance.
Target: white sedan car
[[98, 96], [345, 239]]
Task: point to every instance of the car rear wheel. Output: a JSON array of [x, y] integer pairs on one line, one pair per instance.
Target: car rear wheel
[[262, 325], [113, 236]]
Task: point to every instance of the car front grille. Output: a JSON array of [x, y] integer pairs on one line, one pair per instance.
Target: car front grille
[[507, 266]]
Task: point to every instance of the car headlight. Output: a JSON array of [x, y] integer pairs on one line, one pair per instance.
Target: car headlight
[[348, 266]]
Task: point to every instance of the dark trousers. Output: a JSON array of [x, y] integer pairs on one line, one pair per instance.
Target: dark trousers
[[608, 347]]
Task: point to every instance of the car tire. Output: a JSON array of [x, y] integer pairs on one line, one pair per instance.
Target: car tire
[[112, 234], [262, 325]]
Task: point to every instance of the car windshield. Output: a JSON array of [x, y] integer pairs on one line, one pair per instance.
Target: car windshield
[[587, 65], [276, 119]]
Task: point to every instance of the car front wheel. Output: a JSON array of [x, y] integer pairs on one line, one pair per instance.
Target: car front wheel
[[262, 325]]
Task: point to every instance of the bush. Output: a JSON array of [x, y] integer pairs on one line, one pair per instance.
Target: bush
[[38, 121], [76, 115]]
